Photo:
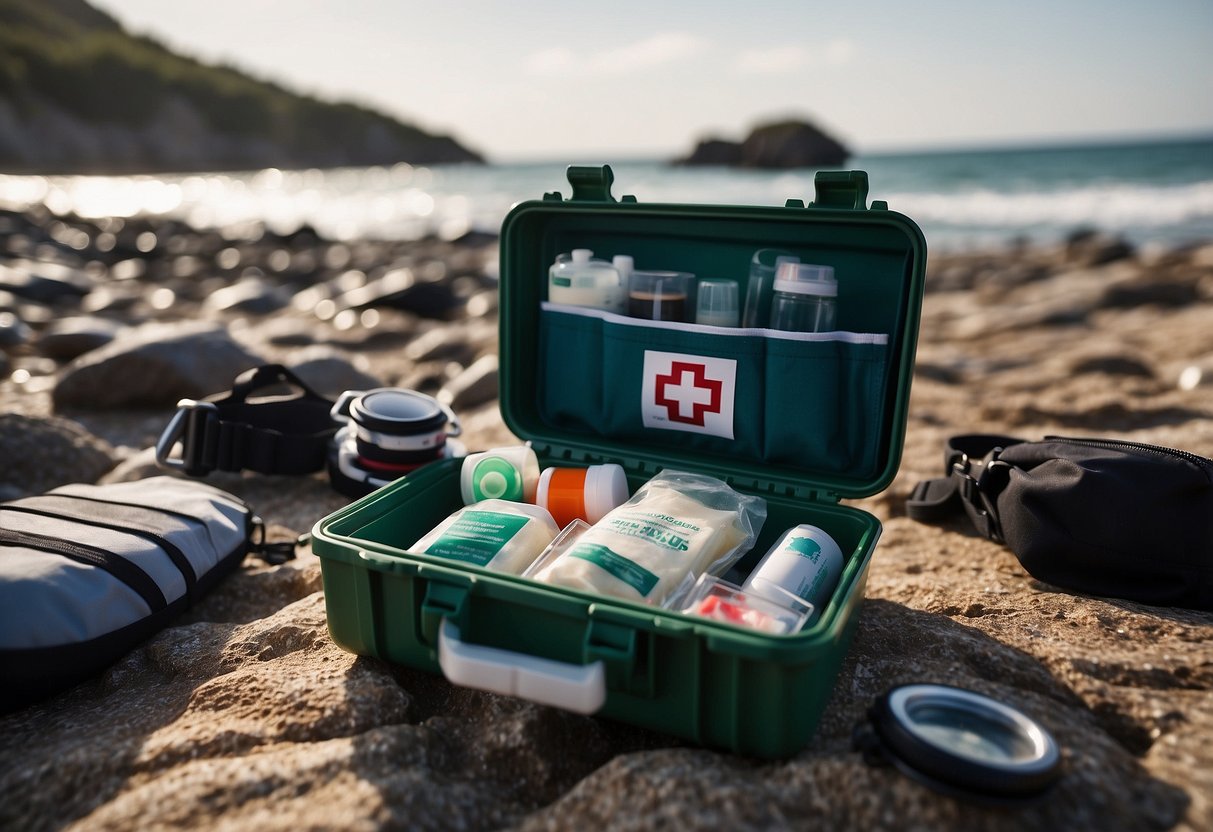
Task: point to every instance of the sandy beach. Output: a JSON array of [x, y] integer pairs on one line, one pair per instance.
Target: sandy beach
[[244, 714]]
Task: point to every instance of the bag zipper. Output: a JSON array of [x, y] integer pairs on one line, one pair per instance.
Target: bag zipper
[[1203, 463]]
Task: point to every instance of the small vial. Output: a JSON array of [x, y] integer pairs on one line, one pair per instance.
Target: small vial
[[717, 305]]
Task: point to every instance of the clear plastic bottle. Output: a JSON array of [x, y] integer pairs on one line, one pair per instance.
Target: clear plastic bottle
[[804, 298], [580, 280], [763, 265]]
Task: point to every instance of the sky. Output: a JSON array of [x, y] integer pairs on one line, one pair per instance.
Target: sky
[[544, 79]]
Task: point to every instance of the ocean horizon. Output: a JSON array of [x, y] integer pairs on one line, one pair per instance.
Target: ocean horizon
[[1156, 192]]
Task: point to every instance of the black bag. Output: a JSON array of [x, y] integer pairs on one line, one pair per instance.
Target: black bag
[[1102, 517], [87, 572]]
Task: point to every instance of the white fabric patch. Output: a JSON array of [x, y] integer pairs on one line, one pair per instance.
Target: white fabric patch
[[693, 393]]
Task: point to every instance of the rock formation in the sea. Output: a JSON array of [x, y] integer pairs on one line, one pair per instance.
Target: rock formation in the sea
[[784, 144], [80, 93]]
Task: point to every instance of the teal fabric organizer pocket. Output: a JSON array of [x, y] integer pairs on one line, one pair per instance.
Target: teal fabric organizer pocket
[[809, 401], [690, 387], [570, 375], [824, 402]]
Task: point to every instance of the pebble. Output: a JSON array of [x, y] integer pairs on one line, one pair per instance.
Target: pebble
[[399, 289], [44, 288], [13, 331], [1093, 248], [254, 297], [68, 338], [439, 343], [1113, 365], [1198, 374], [331, 372], [474, 386]]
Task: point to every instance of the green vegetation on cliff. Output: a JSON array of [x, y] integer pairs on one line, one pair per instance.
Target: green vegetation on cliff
[[66, 62]]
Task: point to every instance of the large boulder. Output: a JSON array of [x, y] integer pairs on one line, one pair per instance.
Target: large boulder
[[41, 453]]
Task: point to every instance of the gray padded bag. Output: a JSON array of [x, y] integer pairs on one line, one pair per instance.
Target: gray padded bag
[[87, 572]]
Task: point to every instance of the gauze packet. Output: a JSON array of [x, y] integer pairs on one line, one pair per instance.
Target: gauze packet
[[654, 547]]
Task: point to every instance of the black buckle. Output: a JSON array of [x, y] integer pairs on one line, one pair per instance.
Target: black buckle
[[189, 427], [980, 493]]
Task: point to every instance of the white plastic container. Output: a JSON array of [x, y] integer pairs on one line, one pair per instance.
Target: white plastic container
[[510, 473], [580, 280], [805, 562], [495, 534]]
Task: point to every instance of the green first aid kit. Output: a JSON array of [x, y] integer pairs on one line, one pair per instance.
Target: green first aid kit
[[802, 420]]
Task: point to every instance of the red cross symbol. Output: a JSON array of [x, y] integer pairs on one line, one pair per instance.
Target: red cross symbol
[[700, 393]]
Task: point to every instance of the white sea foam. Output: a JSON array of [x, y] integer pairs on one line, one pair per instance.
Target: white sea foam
[[1117, 206], [403, 201]]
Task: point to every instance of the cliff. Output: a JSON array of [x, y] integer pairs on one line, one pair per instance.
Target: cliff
[[78, 93]]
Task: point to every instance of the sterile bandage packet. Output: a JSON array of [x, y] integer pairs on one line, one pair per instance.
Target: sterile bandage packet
[[496, 534], [652, 548]]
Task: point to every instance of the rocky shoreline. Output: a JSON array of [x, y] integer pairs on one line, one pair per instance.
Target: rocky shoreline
[[246, 715]]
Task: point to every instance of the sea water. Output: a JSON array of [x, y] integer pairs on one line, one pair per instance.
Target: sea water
[[1148, 192]]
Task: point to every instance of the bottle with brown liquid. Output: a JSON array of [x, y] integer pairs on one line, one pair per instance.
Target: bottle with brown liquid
[[660, 296]]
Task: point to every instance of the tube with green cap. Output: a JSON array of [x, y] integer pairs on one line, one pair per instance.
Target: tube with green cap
[[510, 473]]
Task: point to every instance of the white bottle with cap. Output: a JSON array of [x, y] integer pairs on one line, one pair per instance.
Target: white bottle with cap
[[625, 265], [804, 298], [805, 562], [578, 279]]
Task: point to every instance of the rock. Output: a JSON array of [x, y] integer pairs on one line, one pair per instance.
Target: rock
[[439, 343], [287, 332], [1197, 374], [154, 365], [68, 338], [53, 285], [43, 453], [131, 269], [1113, 365], [718, 152], [138, 466], [1150, 289], [254, 297], [399, 289], [1087, 247], [330, 372], [781, 145], [474, 386], [13, 331]]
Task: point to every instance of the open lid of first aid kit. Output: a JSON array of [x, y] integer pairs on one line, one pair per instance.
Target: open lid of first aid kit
[[817, 416]]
